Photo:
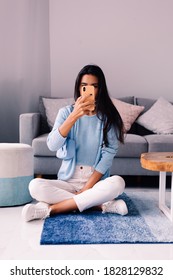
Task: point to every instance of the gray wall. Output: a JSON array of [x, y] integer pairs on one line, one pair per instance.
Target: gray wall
[[24, 61], [45, 43], [132, 40]]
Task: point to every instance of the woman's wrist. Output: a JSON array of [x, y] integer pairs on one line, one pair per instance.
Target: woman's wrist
[[67, 125], [73, 117]]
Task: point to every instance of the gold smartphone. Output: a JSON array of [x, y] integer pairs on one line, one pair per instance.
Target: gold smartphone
[[89, 91]]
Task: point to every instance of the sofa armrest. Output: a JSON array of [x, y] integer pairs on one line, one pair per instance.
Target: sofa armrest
[[29, 127]]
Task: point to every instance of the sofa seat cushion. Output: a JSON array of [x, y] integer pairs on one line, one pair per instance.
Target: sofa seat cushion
[[40, 146], [134, 145], [159, 143]]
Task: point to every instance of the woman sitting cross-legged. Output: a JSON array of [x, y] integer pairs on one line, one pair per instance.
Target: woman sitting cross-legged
[[85, 136]]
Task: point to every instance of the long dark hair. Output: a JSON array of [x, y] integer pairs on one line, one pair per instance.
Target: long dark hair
[[105, 109]]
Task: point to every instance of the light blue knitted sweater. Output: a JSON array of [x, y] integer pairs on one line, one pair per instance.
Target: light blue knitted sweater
[[83, 145]]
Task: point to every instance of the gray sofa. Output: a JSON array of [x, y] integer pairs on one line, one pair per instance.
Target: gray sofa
[[33, 130]]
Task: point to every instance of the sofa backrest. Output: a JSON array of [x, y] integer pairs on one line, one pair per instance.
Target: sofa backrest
[[147, 103], [135, 128], [44, 127]]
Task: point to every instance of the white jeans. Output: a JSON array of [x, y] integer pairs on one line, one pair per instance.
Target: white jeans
[[54, 191]]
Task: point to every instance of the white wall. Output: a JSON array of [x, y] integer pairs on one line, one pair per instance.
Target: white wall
[[132, 40], [24, 61]]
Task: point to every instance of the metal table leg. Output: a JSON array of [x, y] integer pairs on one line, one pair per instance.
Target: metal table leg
[[162, 195]]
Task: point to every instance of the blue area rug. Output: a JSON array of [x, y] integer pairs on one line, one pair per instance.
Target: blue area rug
[[145, 223]]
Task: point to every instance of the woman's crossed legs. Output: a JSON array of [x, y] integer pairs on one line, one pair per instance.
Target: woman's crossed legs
[[58, 196]]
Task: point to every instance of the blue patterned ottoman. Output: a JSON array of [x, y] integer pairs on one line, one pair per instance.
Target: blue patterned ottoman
[[16, 171]]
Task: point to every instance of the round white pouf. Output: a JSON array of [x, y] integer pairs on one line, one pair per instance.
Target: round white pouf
[[16, 171]]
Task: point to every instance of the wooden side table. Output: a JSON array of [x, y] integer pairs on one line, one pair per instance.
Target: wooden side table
[[162, 162]]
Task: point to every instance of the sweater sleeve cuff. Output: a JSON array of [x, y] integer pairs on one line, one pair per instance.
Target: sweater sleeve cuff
[[100, 170], [55, 140]]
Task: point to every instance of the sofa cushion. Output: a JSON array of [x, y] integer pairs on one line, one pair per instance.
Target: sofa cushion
[[52, 106], [40, 148], [147, 103], [130, 100], [46, 104], [128, 112], [133, 146], [159, 118], [159, 143]]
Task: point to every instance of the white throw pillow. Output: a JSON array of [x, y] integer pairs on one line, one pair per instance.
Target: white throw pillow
[[128, 112], [52, 106], [159, 118]]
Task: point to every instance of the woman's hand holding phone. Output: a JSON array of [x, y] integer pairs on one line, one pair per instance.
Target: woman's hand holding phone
[[85, 104], [89, 93], [81, 108]]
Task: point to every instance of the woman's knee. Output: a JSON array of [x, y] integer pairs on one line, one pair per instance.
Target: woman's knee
[[116, 182], [34, 187]]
